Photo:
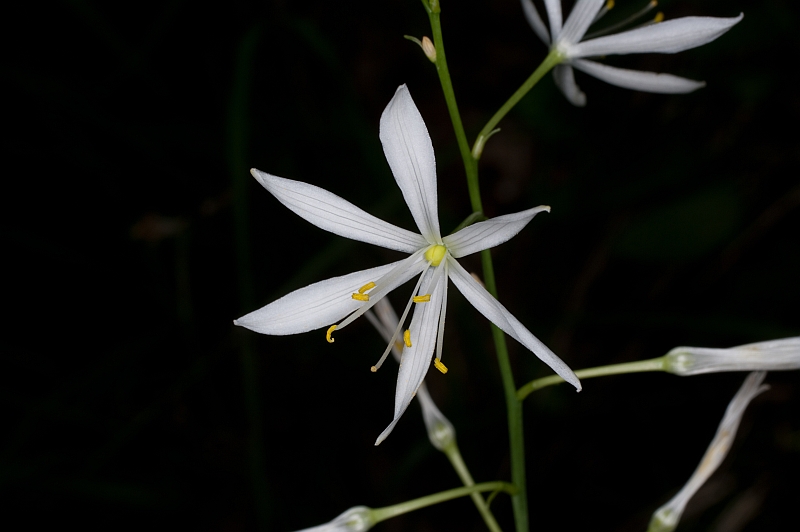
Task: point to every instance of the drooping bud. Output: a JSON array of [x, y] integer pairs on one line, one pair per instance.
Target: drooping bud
[[666, 518], [356, 519], [773, 355]]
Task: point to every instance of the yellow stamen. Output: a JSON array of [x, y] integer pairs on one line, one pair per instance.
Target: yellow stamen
[[441, 367], [369, 286], [435, 254], [407, 338], [373, 369], [659, 17], [422, 299], [360, 297], [328, 334], [610, 4]]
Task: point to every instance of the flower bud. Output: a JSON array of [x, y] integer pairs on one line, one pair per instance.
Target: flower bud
[[356, 519], [429, 49], [666, 518], [440, 431], [773, 355]]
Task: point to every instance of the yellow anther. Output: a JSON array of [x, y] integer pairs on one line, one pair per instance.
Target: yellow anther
[[435, 254], [659, 17], [407, 338], [369, 286], [653, 3], [441, 367], [373, 369], [610, 4], [422, 299], [328, 334], [360, 297]]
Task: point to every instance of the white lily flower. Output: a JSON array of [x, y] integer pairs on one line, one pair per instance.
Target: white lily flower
[[441, 432], [773, 355], [356, 519], [666, 518], [664, 37], [409, 151]]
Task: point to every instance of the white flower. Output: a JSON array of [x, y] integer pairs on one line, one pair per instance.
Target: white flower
[[666, 518], [356, 519], [441, 432], [665, 37], [773, 355], [409, 152]]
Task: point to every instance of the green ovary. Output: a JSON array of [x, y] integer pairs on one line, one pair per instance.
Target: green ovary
[[435, 254]]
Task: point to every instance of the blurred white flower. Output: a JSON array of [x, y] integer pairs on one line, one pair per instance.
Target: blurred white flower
[[773, 355], [666, 518], [664, 37], [409, 150], [356, 519]]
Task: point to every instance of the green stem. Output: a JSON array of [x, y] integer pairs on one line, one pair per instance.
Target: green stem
[[470, 164], [552, 59], [653, 364], [381, 514], [514, 407], [454, 455]]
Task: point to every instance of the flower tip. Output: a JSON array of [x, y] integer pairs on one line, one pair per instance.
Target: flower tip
[[546, 208]]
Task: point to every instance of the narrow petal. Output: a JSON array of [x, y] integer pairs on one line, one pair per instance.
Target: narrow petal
[[553, 8], [416, 359], [314, 306], [637, 79], [665, 37], [536, 21], [497, 314], [564, 77], [490, 233], [409, 150], [668, 516], [332, 213], [440, 431], [579, 20]]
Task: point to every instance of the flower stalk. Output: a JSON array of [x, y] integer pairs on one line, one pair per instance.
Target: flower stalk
[[470, 159], [381, 514]]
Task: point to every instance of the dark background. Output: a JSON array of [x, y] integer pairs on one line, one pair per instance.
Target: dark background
[[133, 235]]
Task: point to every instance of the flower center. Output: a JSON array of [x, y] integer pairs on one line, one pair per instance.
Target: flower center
[[435, 254]]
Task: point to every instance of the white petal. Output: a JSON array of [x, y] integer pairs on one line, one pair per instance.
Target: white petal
[[553, 8], [416, 359], [536, 21], [314, 306], [489, 233], [637, 79], [409, 150], [665, 37], [564, 77], [668, 516], [579, 20], [497, 314], [332, 213]]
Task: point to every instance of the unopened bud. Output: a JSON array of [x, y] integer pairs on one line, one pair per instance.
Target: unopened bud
[[356, 519], [429, 49], [773, 355], [440, 431]]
